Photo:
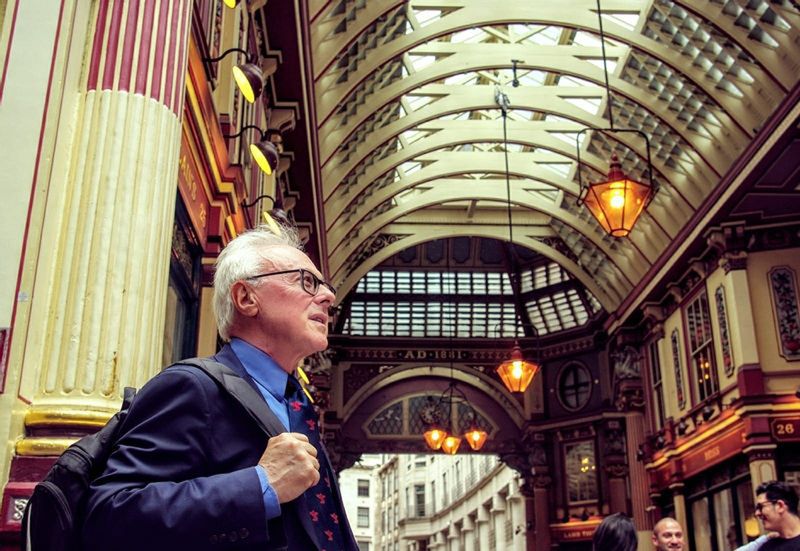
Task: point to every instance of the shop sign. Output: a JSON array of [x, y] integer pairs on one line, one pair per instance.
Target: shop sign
[[713, 452], [193, 191], [785, 429], [574, 531]]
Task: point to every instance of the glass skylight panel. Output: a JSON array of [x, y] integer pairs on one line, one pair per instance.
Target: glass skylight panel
[[521, 114], [419, 62], [410, 136], [549, 117], [627, 20], [562, 169], [462, 79], [540, 277], [611, 63], [495, 283], [426, 17], [533, 78], [417, 102], [547, 36], [410, 167], [479, 283], [473, 36], [568, 137], [583, 38], [571, 81], [590, 105], [464, 283]]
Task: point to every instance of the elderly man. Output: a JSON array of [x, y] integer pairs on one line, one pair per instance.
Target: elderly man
[[668, 535], [776, 508], [191, 469]]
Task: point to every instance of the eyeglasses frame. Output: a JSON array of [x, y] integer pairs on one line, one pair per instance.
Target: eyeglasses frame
[[760, 506], [302, 272]]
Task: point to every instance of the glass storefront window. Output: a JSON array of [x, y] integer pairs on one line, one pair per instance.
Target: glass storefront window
[[702, 532], [727, 533], [749, 527], [581, 472], [720, 502]]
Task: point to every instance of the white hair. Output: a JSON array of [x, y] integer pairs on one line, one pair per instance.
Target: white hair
[[243, 257]]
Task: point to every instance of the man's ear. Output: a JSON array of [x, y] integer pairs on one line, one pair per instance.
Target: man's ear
[[244, 299]]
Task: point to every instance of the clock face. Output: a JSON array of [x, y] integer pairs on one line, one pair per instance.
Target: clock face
[[430, 412]]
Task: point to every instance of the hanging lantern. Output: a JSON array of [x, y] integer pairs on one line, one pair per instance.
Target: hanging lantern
[[618, 202], [434, 437], [476, 437], [451, 444], [517, 373]]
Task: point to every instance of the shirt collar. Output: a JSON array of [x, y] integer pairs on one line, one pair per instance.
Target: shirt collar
[[261, 367]]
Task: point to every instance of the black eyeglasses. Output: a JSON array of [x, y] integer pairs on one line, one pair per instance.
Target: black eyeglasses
[[308, 280], [760, 506]]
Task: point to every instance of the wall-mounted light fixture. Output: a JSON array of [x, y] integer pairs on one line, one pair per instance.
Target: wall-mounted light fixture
[[264, 152], [275, 217], [248, 76], [231, 3]]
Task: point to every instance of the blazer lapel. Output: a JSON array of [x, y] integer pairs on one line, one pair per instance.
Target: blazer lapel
[[240, 383]]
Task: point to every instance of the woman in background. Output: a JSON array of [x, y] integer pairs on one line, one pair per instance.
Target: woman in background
[[615, 533]]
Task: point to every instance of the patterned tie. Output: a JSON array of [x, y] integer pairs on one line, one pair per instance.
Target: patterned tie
[[317, 502]]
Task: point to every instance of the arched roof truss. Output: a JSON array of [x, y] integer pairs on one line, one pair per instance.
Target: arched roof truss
[[411, 139]]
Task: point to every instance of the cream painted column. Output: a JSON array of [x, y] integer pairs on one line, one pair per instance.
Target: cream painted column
[[741, 323], [762, 464], [498, 520], [483, 527], [452, 538], [516, 514], [468, 529], [679, 501], [97, 318]]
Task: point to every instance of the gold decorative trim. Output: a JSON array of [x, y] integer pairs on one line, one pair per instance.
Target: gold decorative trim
[[43, 446], [60, 416]]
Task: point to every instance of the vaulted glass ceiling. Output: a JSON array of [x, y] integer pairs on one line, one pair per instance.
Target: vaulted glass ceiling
[[411, 139], [471, 295]]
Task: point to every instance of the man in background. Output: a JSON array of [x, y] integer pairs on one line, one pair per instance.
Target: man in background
[[668, 535], [776, 508]]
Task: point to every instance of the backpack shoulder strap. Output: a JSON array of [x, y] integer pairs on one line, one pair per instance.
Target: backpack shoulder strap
[[240, 390]]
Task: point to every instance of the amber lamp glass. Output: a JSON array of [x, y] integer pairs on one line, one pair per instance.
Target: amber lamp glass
[[516, 372], [618, 202], [451, 444], [476, 438], [434, 437]]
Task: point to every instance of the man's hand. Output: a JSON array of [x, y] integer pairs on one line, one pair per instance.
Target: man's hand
[[290, 462]]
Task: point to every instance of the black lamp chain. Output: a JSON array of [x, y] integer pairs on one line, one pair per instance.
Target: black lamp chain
[[512, 257], [605, 67], [451, 385]]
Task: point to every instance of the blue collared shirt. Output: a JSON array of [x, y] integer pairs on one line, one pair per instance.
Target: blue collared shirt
[[271, 381]]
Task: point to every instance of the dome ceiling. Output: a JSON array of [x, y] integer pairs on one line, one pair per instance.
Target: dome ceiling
[[410, 139]]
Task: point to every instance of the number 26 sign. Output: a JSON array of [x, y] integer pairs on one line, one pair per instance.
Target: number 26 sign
[[785, 428]]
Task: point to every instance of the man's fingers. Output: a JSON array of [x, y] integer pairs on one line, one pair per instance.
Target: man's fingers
[[299, 436], [311, 450]]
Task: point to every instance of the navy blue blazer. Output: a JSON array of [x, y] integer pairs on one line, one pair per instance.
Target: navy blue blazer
[[181, 474]]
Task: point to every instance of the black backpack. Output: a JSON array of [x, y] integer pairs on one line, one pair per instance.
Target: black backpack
[[53, 515]]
